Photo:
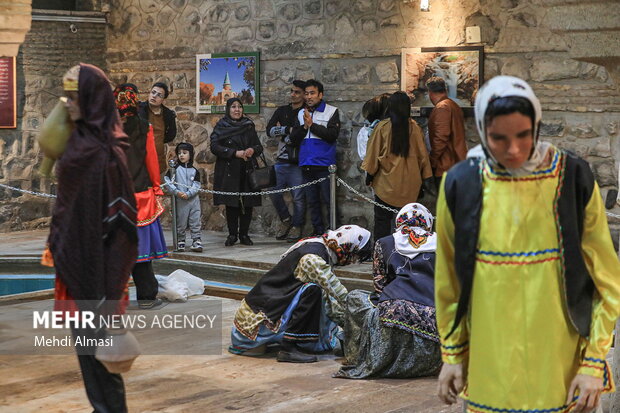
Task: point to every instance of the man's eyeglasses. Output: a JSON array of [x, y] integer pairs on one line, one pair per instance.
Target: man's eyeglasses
[[156, 94]]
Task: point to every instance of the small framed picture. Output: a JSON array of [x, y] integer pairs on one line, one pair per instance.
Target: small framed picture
[[222, 76]]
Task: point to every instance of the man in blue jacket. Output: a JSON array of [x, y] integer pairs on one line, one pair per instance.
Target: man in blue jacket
[[316, 130]]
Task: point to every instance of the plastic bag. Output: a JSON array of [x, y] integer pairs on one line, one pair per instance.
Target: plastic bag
[[195, 285], [179, 285]]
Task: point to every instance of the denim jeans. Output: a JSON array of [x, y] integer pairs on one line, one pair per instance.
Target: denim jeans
[[315, 195], [289, 175]]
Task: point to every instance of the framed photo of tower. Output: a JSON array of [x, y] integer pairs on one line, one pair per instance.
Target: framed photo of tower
[[222, 76], [461, 67]]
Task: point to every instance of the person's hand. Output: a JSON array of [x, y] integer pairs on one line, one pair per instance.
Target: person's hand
[[590, 389], [183, 195], [451, 382], [241, 155], [307, 119], [249, 152]]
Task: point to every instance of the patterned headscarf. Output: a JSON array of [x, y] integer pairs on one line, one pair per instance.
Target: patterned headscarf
[[342, 244], [126, 96], [414, 224]]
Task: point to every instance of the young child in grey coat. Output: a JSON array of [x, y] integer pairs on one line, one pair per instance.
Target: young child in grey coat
[[187, 180]]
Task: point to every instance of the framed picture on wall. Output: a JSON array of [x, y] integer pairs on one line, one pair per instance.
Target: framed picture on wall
[[222, 76], [461, 68]]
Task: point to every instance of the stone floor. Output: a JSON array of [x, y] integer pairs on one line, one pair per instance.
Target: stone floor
[[217, 383]]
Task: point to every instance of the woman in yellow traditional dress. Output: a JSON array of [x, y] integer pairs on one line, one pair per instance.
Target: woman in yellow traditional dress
[[527, 282]]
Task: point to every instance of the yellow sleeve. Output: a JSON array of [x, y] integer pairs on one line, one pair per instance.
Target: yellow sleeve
[[454, 349], [604, 268]]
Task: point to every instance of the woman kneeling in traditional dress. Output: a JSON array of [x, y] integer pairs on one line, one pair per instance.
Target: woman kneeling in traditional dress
[[296, 303], [392, 332]]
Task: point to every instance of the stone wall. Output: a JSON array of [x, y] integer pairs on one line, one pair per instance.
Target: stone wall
[[50, 48], [354, 49]]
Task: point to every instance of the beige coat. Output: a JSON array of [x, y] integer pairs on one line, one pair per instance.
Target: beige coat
[[397, 180]]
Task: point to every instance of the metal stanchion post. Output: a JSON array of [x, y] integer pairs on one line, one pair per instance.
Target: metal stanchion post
[[332, 195], [172, 163]]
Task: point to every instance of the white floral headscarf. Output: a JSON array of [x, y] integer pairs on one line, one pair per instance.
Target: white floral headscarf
[[414, 225], [342, 243]]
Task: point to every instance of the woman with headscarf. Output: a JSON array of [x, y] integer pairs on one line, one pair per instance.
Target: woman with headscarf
[[296, 303], [396, 163], [143, 166], [527, 282], [93, 239], [235, 143], [392, 332]]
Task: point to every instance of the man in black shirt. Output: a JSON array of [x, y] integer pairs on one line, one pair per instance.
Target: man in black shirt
[[288, 173]]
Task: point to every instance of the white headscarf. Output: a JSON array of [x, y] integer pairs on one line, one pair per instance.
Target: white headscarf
[[341, 244], [414, 224], [505, 86]]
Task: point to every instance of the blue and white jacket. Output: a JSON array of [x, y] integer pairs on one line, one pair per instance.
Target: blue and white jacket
[[317, 145]]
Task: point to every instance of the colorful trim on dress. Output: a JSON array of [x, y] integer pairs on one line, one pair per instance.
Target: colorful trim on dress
[[409, 328], [455, 346], [152, 256], [300, 337], [518, 258], [550, 172], [411, 317], [151, 219]]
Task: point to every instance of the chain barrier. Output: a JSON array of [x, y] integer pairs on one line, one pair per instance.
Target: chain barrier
[[25, 191], [358, 193], [273, 191]]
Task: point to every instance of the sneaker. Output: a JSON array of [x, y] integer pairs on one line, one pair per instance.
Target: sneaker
[[150, 304], [181, 246], [283, 228], [196, 245], [294, 234]]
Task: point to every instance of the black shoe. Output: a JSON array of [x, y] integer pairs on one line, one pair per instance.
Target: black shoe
[[230, 240], [295, 356], [245, 240]]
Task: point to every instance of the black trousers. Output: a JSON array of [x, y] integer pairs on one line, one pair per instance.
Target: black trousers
[[303, 326], [146, 283], [384, 220], [105, 390], [238, 220]]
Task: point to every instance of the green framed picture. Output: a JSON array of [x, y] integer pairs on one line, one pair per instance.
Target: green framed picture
[[222, 76]]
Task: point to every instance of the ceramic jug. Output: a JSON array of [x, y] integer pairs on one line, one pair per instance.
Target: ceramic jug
[[54, 135]]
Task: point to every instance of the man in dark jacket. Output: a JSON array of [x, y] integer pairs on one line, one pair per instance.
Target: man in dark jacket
[[316, 131], [288, 173], [162, 118]]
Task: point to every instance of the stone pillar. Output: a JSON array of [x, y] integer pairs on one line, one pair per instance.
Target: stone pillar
[[15, 18]]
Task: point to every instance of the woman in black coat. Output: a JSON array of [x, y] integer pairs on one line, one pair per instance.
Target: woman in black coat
[[235, 143]]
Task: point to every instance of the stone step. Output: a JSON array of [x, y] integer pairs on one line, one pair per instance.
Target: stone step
[[244, 273]]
